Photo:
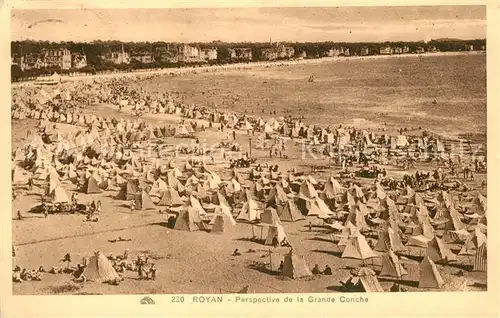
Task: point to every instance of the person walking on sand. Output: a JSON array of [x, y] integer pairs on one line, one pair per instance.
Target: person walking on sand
[[139, 270], [152, 270], [466, 172], [275, 242], [146, 273], [471, 173], [310, 226]]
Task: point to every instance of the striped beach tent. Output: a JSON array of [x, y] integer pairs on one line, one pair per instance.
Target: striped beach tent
[[481, 259]]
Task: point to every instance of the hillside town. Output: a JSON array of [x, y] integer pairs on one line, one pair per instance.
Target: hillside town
[[64, 59]]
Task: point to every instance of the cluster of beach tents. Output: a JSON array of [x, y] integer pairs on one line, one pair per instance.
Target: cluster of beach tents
[[33, 105], [96, 160]]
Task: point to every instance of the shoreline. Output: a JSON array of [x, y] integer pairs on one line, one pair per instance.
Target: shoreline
[[238, 67], [146, 76]]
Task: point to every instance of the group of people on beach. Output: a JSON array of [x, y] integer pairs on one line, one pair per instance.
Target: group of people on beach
[[20, 275], [317, 271], [146, 270]]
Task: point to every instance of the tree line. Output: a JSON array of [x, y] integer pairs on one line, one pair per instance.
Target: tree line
[[93, 51]]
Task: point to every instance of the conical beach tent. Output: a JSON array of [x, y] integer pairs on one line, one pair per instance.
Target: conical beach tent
[[17, 176], [295, 266], [389, 240], [429, 275], [143, 201], [348, 231], [99, 269], [357, 248], [358, 219], [90, 186], [59, 195], [270, 216], [438, 252], [475, 239], [170, 198], [365, 280], [197, 205], [332, 189], [391, 266], [158, 188], [289, 212], [275, 231], [307, 191], [249, 211], [222, 223], [189, 220], [319, 209], [128, 190]]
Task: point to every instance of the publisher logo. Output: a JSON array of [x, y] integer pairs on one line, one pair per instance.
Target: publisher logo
[[147, 301]]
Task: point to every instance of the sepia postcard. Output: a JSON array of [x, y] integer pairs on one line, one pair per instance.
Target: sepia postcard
[[258, 159]]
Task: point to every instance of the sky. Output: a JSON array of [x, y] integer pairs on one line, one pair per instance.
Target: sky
[[313, 24]]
